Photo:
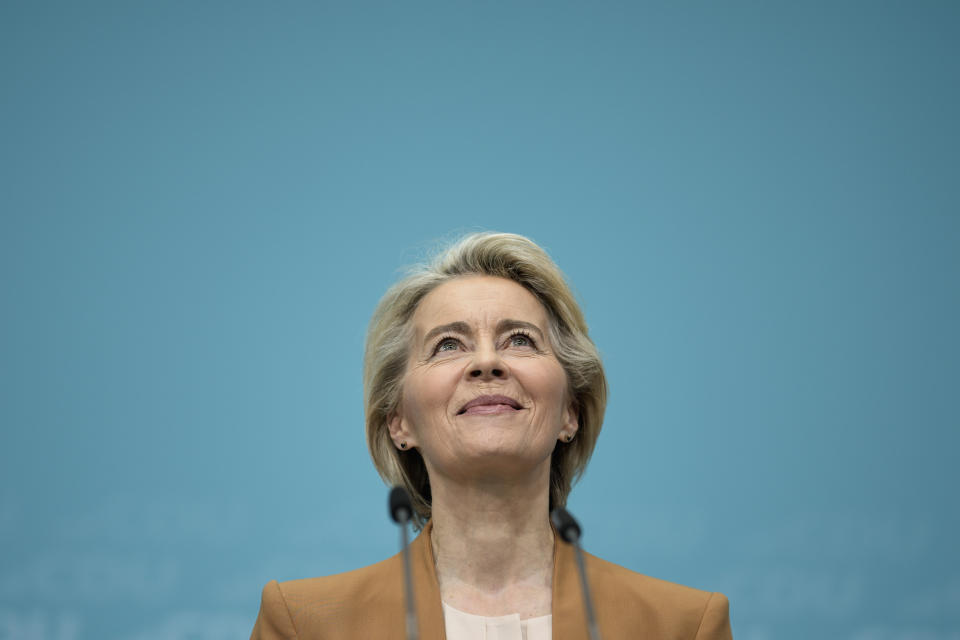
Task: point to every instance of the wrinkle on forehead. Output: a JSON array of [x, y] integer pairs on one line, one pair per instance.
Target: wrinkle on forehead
[[486, 293]]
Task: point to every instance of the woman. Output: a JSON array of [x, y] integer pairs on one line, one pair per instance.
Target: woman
[[484, 398]]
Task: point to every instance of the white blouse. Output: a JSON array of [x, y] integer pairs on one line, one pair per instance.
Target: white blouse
[[466, 626]]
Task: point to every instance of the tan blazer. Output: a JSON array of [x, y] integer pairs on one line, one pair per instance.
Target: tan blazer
[[368, 603]]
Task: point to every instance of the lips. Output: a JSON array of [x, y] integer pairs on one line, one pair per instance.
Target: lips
[[490, 404]]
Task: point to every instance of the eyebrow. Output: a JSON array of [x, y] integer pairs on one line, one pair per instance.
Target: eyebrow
[[453, 327], [464, 328]]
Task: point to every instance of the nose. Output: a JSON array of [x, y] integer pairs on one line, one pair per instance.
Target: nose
[[486, 364]]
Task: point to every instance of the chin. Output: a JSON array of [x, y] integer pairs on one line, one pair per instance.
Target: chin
[[500, 460]]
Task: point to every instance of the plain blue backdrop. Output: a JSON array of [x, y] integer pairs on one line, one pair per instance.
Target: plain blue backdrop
[[758, 204]]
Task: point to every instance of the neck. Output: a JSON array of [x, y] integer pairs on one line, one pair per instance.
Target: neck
[[493, 545]]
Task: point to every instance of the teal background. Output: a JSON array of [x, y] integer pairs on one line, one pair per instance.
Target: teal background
[[202, 202]]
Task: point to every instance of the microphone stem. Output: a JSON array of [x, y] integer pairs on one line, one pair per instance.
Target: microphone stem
[[587, 599], [412, 632]]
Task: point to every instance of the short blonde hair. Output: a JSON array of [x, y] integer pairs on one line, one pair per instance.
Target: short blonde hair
[[503, 255]]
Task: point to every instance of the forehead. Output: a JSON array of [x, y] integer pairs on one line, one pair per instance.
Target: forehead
[[478, 301]]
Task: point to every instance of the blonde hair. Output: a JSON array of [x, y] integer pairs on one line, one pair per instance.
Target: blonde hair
[[503, 255]]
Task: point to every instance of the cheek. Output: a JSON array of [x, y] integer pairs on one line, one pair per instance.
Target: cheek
[[558, 379], [413, 402], [425, 396], [550, 384], [561, 396]]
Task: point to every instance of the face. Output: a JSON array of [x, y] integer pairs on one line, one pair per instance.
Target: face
[[483, 394]]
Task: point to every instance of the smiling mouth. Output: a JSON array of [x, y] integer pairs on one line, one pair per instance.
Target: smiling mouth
[[488, 409], [489, 405]]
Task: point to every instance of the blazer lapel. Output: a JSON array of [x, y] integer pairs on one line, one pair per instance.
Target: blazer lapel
[[426, 587], [569, 620]]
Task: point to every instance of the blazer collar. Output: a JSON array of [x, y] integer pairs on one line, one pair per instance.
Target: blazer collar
[[568, 621]]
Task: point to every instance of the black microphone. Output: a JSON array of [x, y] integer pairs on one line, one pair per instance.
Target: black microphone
[[569, 529], [401, 511]]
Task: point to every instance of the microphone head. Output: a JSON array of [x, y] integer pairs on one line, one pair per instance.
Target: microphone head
[[566, 525], [401, 508]]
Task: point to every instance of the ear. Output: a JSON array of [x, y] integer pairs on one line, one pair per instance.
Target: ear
[[400, 431], [571, 424]]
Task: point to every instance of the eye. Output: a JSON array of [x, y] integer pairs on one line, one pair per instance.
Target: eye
[[446, 343], [520, 339]]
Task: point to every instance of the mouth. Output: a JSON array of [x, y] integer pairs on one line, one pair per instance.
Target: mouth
[[485, 405]]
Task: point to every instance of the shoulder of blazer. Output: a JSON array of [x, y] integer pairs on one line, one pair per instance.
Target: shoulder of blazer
[[631, 605], [352, 604], [363, 603], [627, 601]]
